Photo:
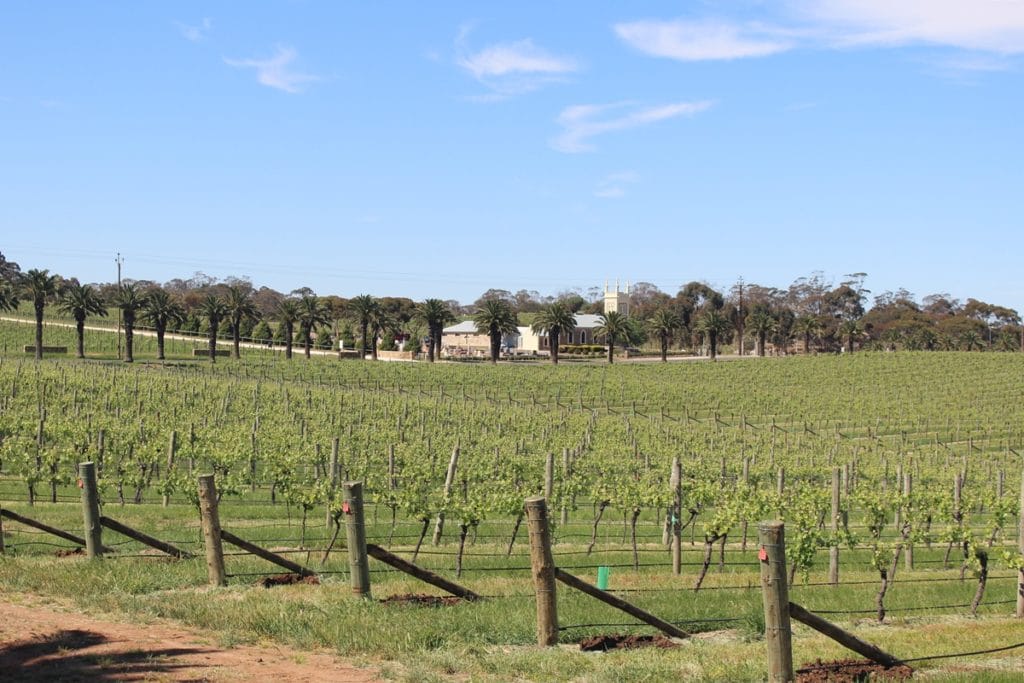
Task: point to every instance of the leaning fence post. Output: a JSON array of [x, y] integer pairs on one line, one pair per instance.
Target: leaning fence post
[[775, 592], [543, 567], [355, 532], [211, 530], [91, 510]]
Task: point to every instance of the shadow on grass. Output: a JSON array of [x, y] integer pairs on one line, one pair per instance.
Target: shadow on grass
[[64, 656]]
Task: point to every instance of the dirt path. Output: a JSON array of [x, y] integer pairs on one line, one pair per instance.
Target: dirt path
[[39, 642]]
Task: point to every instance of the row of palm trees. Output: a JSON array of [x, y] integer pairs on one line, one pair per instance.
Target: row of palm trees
[[494, 317], [163, 312], [156, 307]]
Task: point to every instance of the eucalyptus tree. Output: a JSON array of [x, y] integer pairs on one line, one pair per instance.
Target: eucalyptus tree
[[808, 326], [613, 326], [41, 288], [664, 324], [554, 319], [714, 324], [8, 296], [495, 318], [363, 307], [288, 315], [162, 310], [312, 312], [240, 306], [80, 301], [761, 323], [435, 314], [213, 308], [130, 299]]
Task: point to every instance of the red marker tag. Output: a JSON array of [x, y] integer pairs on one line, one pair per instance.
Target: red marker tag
[[762, 554], [346, 508], [81, 484]]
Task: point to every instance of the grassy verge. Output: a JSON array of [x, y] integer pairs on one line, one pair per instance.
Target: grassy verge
[[493, 639]]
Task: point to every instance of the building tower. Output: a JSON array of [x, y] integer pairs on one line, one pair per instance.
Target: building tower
[[615, 300]]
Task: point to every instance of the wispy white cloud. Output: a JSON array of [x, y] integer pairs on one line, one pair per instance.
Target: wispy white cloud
[[690, 41], [195, 33], [986, 25], [511, 68], [612, 186], [276, 72], [582, 122], [992, 27]]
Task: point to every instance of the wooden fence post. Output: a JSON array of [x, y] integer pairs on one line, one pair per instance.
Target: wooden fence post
[[355, 532], [211, 530], [172, 448], [833, 551], [1020, 548], [780, 488], [543, 566], [566, 471], [449, 481], [775, 593], [333, 477], [254, 450], [91, 510], [549, 476], [100, 447], [908, 548], [676, 484]]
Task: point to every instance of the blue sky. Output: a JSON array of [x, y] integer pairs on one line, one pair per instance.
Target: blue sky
[[439, 149]]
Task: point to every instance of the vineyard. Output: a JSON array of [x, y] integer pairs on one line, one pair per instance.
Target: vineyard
[[897, 476]]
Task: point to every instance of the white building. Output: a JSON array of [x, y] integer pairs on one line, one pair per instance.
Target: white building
[[583, 333]]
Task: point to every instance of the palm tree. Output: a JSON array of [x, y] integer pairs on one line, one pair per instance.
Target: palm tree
[[161, 310], [312, 312], [214, 310], [288, 315], [363, 306], [971, 341], [850, 329], [81, 301], [663, 325], [554, 320], [435, 314], [130, 300], [380, 322], [613, 326], [41, 288], [761, 323], [8, 296], [495, 318], [240, 307], [713, 324], [809, 326]]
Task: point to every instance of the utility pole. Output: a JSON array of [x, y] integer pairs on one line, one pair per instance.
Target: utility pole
[[119, 261]]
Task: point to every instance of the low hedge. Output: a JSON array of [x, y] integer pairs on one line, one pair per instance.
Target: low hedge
[[581, 349]]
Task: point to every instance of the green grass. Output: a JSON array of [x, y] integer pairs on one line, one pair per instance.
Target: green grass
[[493, 639]]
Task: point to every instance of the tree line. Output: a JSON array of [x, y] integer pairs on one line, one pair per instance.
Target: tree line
[[811, 315]]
